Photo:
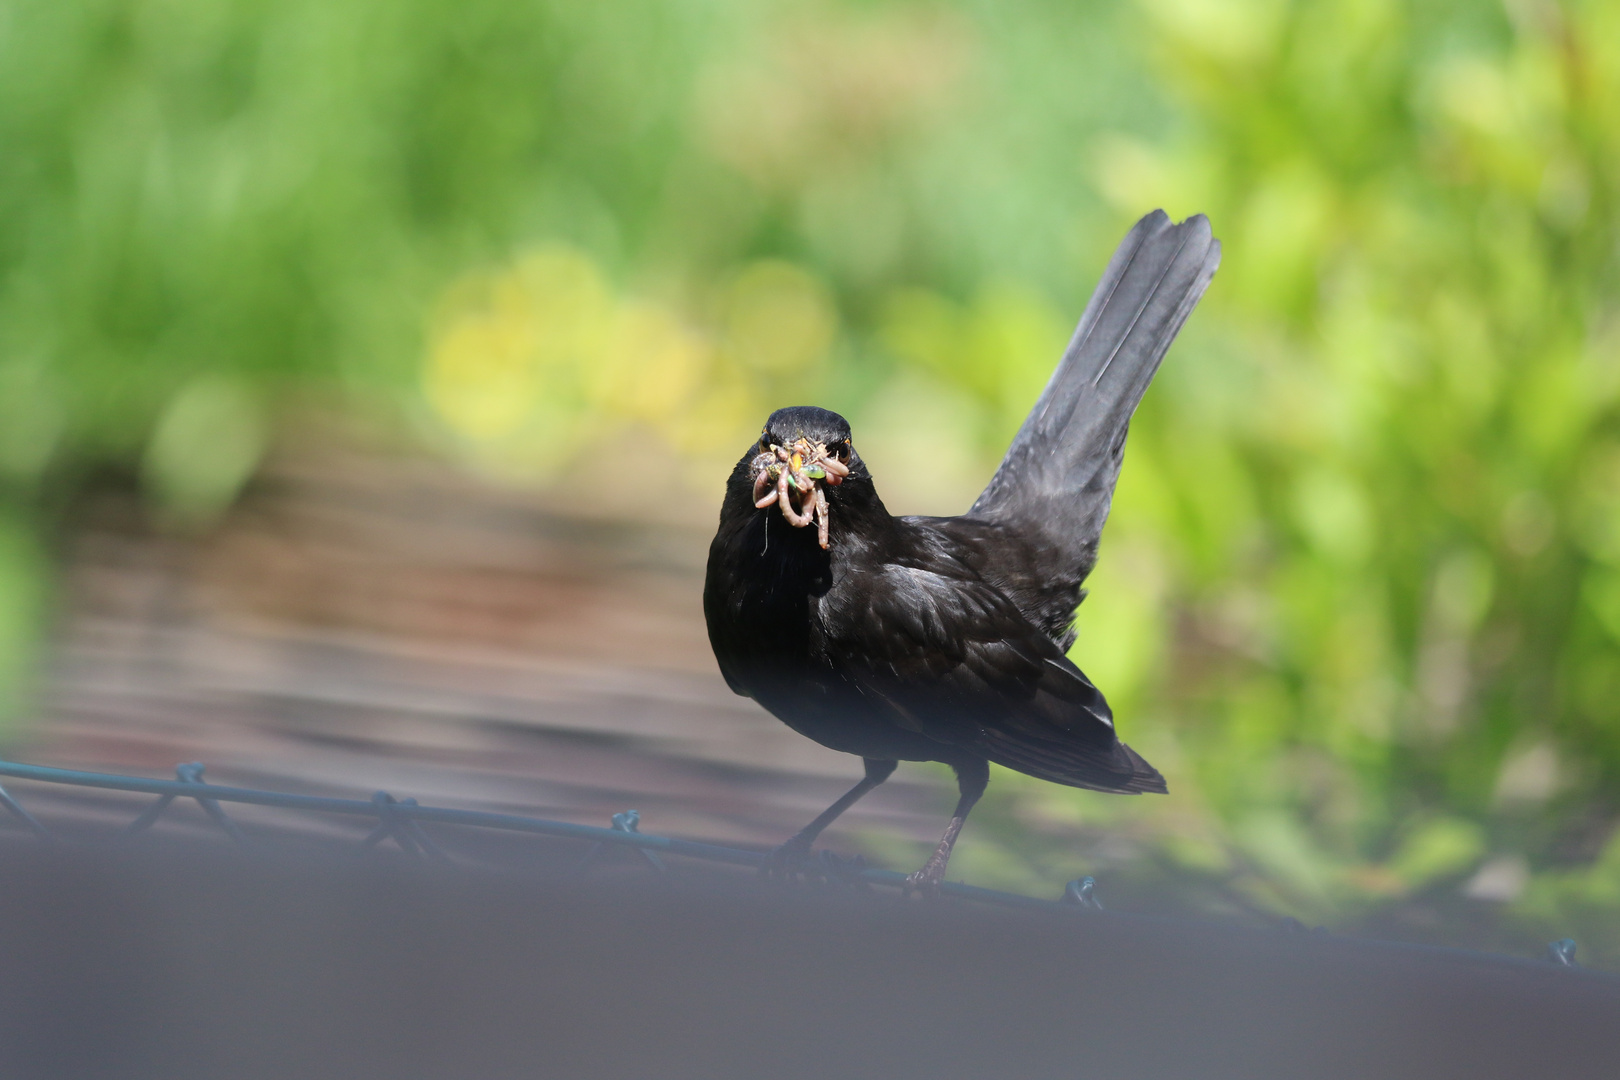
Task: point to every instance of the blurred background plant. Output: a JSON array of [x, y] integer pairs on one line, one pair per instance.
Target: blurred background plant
[[1360, 596]]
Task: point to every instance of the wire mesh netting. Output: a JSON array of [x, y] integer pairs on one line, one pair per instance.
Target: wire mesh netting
[[402, 822]]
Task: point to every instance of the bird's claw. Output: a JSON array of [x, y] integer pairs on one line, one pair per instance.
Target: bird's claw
[[785, 863], [792, 861], [924, 882]]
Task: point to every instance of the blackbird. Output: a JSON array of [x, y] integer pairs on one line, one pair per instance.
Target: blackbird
[[946, 639]]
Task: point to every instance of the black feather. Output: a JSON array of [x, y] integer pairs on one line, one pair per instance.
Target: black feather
[[1056, 483]]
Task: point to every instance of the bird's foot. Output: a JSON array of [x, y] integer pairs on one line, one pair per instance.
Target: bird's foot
[[793, 861], [925, 882], [786, 863]]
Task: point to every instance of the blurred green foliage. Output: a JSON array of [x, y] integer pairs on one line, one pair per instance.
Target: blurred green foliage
[[1386, 542], [1360, 597]]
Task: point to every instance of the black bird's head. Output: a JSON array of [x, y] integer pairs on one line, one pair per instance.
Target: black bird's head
[[802, 454]]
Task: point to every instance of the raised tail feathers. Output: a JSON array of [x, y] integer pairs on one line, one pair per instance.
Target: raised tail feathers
[[1057, 480]]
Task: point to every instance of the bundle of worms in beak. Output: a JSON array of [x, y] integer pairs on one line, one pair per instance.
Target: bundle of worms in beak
[[783, 476]]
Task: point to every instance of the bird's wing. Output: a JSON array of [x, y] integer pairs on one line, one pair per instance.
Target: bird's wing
[[1055, 485], [954, 660]]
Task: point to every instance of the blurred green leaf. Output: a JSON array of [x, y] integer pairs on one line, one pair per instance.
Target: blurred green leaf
[[23, 576], [206, 445], [1437, 849]]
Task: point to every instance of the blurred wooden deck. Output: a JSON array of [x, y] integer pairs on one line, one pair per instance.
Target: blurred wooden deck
[[360, 623]]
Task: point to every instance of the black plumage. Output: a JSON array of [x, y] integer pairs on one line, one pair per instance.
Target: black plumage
[[945, 639]]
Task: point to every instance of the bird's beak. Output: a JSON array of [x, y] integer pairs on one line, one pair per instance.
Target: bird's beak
[[795, 478]]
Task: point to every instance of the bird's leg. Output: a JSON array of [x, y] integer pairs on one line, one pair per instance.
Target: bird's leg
[[786, 857], [971, 779]]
